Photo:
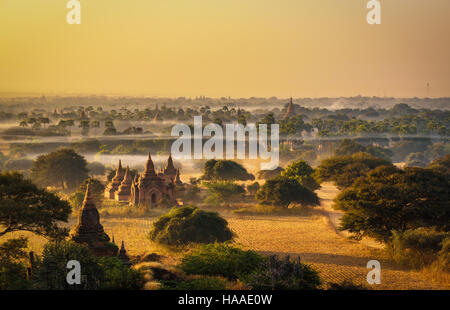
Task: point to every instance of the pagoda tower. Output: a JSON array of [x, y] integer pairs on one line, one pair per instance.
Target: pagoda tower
[[177, 179], [123, 255], [169, 170], [89, 230], [290, 110], [113, 186], [124, 190]]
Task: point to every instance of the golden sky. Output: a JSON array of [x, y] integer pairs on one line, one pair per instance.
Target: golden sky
[[237, 48]]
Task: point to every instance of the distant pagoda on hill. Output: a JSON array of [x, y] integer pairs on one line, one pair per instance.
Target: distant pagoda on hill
[[290, 111]]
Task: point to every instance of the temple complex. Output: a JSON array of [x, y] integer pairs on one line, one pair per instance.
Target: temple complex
[[89, 231], [146, 189]]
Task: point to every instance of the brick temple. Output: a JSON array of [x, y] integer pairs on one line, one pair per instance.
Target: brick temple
[[149, 188]]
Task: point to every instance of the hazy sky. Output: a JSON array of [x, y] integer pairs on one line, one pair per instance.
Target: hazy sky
[[237, 48]]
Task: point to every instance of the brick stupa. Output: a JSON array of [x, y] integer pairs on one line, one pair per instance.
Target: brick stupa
[[124, 190], [113, 186], [123, 256], [89, 231]]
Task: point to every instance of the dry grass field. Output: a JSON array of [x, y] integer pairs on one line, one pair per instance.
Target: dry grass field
[[314, 238]]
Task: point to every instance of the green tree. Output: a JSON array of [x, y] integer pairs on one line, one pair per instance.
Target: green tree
[[283, 191], [190, 224], [51, 271], [63, 167], [101, 273], [344, 170], [302, 172], [389, 198], [284, 274], [221, 259], [24, 207], [225, 170], [224, 192], [12, 265]]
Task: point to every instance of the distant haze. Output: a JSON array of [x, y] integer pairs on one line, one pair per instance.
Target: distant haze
[[238, 48]]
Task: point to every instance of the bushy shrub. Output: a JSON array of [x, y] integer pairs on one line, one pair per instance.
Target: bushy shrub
[[13, 271], [417, 248], [221, 259], [284, 274], [101, 273], [119, 276], [190, 224], [444, 255], [282, 191], [50, 272]]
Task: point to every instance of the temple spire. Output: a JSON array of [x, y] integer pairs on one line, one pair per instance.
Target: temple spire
[[169, 164], [290, 110], [88, 202], [122, 255], [149, 167]]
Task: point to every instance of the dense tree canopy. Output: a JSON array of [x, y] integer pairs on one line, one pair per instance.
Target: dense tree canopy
[[389, 198], [225, 170], [350, 147], [24, 207], [12, 269], [344, 170], [224, 192], [63, 168], [283, 191], [190, 224], [302, 172], [102, 273]]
